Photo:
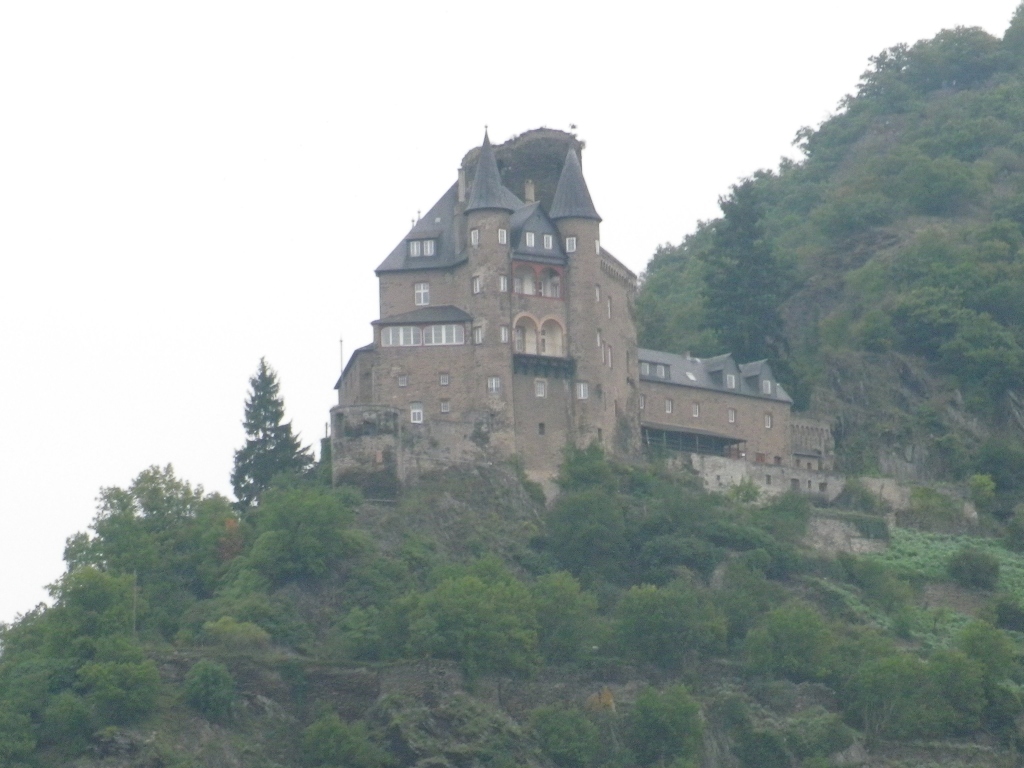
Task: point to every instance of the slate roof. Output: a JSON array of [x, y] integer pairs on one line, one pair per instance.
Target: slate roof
[[442, 314], [572, 198], [487, 191], [531, 218], [700, 374], [439, 225], [351, 359]]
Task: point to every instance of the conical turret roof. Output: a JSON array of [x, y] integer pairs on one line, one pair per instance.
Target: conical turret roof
[[572, 198], [488, 191]]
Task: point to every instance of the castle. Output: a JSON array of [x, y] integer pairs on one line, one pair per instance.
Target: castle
[[507, 330]]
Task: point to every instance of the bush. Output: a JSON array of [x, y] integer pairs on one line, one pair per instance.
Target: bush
[[974, 569], [660, 626], [664, 726], [566, 736], [67, 723], [235, 635], [793, 642], [330, 741], [210, 689], [121, 693], [566, 616], [16, 739], [816, 732]]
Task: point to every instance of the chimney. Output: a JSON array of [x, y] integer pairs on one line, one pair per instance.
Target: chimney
[[462, 185], [529, 193]]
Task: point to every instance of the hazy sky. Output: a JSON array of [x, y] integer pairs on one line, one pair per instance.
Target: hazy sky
[[188, 186]]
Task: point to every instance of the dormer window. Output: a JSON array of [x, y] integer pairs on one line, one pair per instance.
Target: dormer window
[[530, 239], [502, 237], [660, 371], [766, 387], [421, 248], [690, 375], [428, 247], [645, 369], [549, 242], [730, 380], [570, 245]]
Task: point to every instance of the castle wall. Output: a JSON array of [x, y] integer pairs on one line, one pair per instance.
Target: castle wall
[[720, 474], [447, 287], [763, 445]]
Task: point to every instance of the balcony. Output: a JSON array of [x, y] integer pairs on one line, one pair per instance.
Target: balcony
[[544, 366]]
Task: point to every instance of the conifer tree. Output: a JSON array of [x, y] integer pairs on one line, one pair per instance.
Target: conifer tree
[[270, 447]]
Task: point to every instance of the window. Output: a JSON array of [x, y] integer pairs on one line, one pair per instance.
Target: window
[[415, 248], [502, 237], [668, 406], [609, 355], [517, 285], [645, 369], [504, 334], [401, 336], [444, 379], [403, 381], [478, 334], [732, 415], [549, 242], [446, 406], [441, 335], [540, 428], [597, 293], [540, 388], [478, 284], [660, 371], [609, 302], [766, 387], [503, 283], [597, 247], [730, 380], [530, 239], [696, 410], [794, 484], [474, 237], [493, 385], [768, 480], [767, 421], [570, 245], [599, 339], [643, 402], [421, 294], [582, 390], [428, 247], [416, 413]]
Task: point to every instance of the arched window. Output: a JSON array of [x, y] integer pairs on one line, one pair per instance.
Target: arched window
[[524, 281], [526, 336], [551, 339], [550, 284]]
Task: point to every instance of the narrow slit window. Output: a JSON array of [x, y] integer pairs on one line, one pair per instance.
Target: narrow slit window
[[502, 237], [474, 237]]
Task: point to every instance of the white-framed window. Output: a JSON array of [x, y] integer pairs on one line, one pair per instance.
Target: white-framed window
[[767, 421], [428, 247], [503, 283], [597, 247], [732, 415], [502, 237], [582, 390], [531, 238], [446, 406], [494, 385], [444, 335], [645, 368], [609, 302], [416, 413], [504, 334], [730, 380], [696, 410], [570, 245], [443, 378], [478, 334], [659, 371], [597, 293], [403, 381], [478, 284], [643, 402], [668, 405], [766, 386], [549, 242], [401, 336], [520, 339], [599, 339], [540, 388], [474, 237], [421, 294], [415, 248]]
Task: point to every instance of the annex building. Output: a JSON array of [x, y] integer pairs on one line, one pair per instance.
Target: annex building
[[507, 329]]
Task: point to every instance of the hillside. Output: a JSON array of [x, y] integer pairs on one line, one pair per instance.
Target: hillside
[[882, 274]]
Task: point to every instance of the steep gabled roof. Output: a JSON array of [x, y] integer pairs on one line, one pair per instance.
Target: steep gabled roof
[[531, 218], [694, 372], [439, 225], [572, 198], [488, 192]]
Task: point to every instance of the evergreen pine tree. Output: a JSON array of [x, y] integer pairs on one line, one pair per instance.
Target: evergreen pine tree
[[270, 447]]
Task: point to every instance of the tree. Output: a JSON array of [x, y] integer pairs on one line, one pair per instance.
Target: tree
[[793, 642], [210, 688], [664, 725], [270, 448]]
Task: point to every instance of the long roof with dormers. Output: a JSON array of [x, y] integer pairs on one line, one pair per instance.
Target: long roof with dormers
[[572, 198], [709, 373]]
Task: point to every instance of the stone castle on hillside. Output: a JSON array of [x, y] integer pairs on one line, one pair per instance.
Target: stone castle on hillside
[[507, 330]]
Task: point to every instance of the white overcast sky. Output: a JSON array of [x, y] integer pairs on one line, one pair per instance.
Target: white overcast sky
[[188, 186]]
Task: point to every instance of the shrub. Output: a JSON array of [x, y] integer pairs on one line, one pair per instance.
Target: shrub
[[761, 749], [660, 626], [664, 726], [210, 689], [121, 693], [331, 741], [1006, 612], [974, 569], [67, 722], [566, 736], [816, 732], [793, 642], [16, 739], [565, 616], [235, 635]]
